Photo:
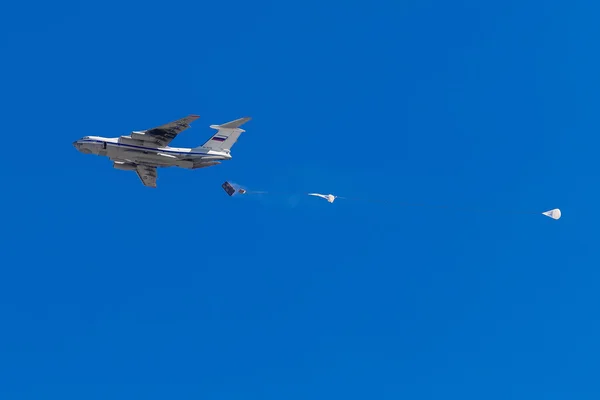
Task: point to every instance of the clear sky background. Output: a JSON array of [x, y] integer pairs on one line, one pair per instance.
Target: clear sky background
[[109, 289]]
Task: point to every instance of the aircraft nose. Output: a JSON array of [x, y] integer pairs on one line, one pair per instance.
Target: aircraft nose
[[75, 143]]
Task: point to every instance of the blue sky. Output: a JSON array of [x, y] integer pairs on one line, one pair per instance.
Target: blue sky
[[112, 290]]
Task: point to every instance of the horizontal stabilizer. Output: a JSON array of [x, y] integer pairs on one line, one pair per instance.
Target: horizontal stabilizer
[[233, 124]]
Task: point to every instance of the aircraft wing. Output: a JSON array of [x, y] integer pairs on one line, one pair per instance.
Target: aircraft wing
[[164, 134], [147, 175]]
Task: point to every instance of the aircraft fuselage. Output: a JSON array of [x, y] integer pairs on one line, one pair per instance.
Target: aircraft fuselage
[[125, 152]]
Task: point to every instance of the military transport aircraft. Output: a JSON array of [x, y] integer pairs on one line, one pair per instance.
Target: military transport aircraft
[[145, 151]]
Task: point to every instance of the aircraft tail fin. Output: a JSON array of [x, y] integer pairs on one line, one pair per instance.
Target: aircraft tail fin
[[226, 136]]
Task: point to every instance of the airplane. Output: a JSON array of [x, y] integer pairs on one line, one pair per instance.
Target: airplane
[[145, 151]]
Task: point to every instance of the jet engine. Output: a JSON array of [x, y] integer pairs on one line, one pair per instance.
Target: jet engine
[[124, 166], [139, 135], [204, 164]]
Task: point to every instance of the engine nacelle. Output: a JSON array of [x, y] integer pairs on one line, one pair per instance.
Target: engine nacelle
[[129, 140], [139, 135], [204, 164], [124, 166]]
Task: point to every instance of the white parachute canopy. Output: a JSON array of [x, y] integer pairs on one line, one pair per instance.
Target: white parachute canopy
[[330, 198], [554, 214]]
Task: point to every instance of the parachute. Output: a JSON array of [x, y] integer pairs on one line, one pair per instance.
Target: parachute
[[554, 214], [329, 197]]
